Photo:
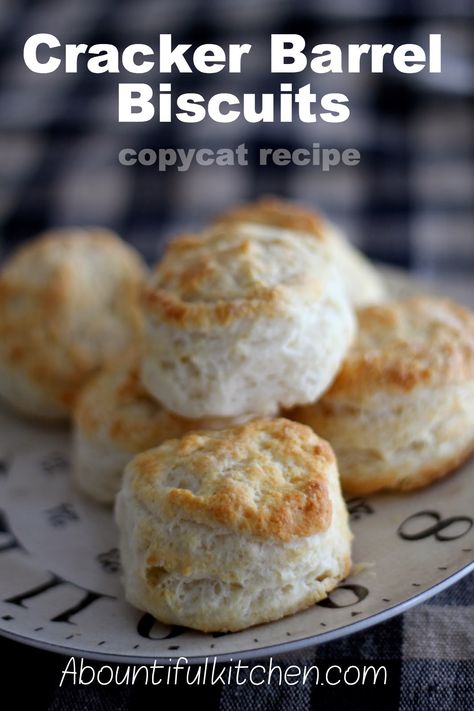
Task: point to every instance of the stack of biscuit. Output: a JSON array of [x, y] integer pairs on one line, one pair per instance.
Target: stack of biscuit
[[231, 515], [253, 315]]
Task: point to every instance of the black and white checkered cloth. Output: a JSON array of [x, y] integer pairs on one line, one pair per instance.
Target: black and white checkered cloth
[[428, 653], [409, 202]]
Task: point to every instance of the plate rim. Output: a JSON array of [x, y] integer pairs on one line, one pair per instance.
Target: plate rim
[[256, 652]]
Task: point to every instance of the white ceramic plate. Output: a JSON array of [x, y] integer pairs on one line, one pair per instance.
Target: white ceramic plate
[[59, 567]]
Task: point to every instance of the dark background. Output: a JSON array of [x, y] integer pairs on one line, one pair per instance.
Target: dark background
[[409, 202]]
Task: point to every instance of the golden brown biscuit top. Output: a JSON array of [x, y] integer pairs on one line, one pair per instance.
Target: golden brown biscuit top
[[62, 253], [362, 283], [421, 341], [266, 478], [238, 272], [115, 404], [276, 212], [57, 294]]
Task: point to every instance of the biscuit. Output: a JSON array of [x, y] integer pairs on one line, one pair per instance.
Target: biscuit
[[220, 531], [243, 322], [115, 419], [69, 302], [363, 283], [400, 413]]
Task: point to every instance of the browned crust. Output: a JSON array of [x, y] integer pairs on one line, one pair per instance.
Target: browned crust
[[115, 402], [357, 483], [30, 343], [275, 212], [103, 400], [292, 514], [283, 460], [172, 309], [445, 356], [189, 265], [34, 317], [99, 236]]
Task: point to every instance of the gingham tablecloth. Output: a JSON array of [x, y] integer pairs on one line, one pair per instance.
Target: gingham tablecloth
[[428, 653], [408, 202]]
